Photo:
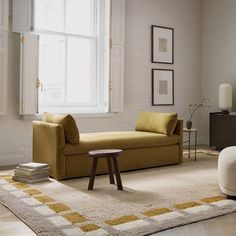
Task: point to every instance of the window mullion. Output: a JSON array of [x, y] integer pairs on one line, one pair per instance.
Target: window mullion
[[66, 41], [96, 56], [40, 31], [65, 15], [66, 56]]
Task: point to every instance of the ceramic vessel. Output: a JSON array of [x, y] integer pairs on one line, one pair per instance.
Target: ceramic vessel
[[189, 124]]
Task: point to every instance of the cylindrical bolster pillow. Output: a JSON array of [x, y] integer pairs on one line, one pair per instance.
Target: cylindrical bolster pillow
[[157, 122]]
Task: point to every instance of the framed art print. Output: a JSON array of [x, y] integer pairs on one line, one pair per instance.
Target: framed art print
[[162, 87], [162, 45]]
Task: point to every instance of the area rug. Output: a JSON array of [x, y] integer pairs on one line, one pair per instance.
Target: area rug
[[152, 200]]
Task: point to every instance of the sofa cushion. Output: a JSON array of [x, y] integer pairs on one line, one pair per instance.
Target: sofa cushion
[[119, 140], [163, 123], [67, 122]]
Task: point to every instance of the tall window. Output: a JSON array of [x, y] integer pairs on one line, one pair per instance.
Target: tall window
[[73, 55]]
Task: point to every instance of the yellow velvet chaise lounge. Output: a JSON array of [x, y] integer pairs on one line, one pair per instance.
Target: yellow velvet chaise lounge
[[156, 141]]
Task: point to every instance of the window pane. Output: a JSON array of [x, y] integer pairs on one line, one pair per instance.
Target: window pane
[[81, 82], [49, 14], [52, 68], [80, 17]]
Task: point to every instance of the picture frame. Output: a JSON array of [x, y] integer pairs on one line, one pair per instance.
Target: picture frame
[[162, 44], [162, 87]]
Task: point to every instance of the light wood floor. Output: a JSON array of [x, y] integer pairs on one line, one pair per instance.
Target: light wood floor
[[220, 226], [10, 225]]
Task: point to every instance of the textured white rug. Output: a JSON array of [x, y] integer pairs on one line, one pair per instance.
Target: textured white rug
[[152, 200]]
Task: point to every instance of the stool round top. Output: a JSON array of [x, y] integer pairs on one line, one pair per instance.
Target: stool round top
[[104, 152]]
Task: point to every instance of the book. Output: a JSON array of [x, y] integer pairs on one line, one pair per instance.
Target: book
[[31, 172], [30, 176], [33, 165], [29, 181]]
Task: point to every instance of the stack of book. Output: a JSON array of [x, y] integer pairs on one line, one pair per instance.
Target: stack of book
[[31, 172]]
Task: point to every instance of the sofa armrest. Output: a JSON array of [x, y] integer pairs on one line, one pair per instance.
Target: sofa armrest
[[179, 131], [48, 145]]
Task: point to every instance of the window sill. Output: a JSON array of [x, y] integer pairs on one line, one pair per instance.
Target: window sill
[[76, 116]]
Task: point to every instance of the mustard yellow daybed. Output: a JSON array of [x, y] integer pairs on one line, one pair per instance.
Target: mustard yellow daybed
[[156, 141]]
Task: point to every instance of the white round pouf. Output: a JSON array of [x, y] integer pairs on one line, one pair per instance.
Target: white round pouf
[[227, 171]]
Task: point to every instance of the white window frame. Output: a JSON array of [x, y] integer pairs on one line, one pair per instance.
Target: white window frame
[[117, 56], [28, 75], [100, 103], [4, 6], [22, 15], [116, 63]]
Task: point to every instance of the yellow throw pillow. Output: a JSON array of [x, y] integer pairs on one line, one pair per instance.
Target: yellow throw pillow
[[67, 122], [157, 122]]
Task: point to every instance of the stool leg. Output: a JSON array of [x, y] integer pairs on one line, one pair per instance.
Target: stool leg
[[189, 137], [195, 146], [110, 172], [117, 173], [93, 173]]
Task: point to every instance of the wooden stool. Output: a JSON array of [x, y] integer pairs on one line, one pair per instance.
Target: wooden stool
[[109, 154]]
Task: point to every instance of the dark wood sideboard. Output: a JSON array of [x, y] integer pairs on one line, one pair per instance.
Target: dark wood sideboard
[[222, 130]]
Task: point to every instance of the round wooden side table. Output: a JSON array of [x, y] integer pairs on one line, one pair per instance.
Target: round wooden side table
[[111, 156]]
